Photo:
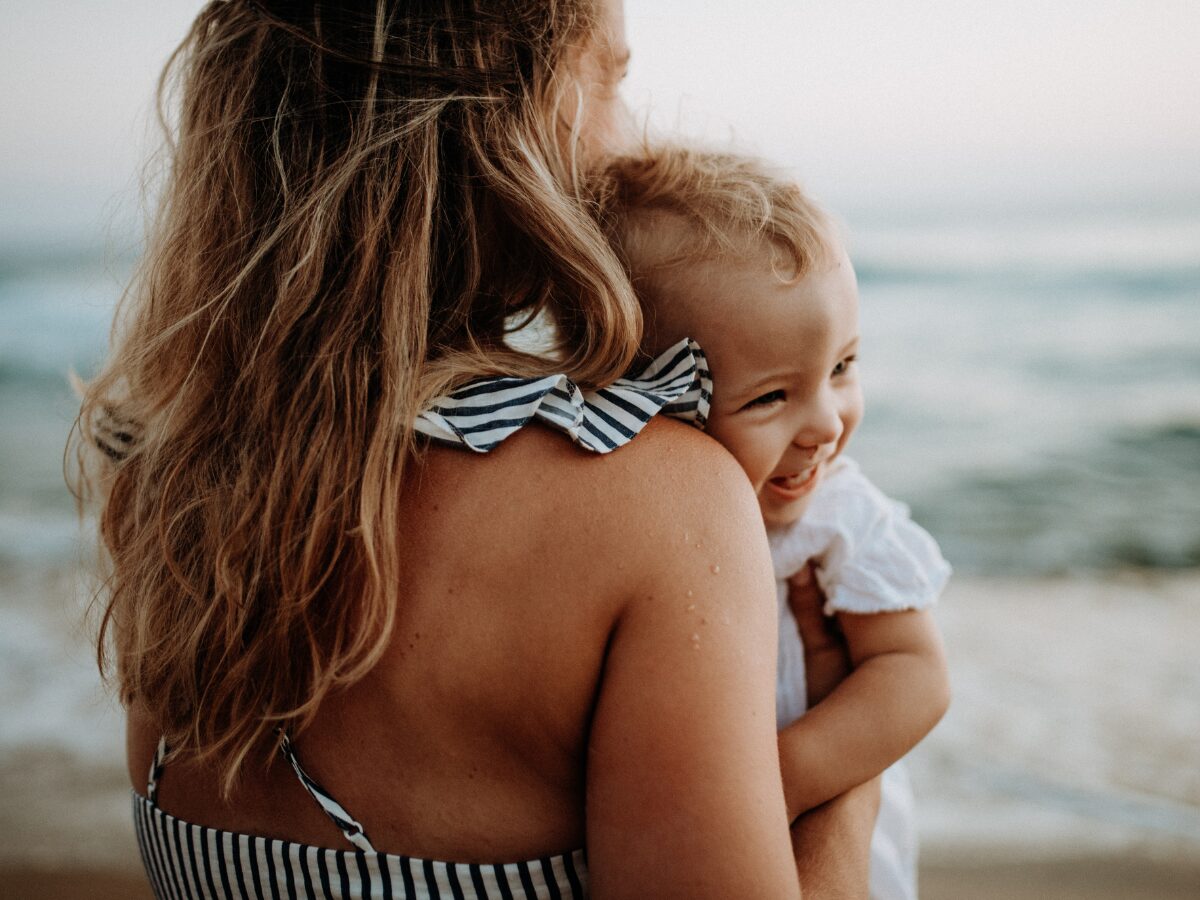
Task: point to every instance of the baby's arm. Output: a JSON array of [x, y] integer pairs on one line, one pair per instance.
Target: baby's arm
[[896, 693]]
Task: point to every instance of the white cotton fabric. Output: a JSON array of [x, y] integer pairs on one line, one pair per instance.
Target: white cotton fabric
[[872, 558]]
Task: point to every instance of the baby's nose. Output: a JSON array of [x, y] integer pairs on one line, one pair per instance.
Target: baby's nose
[[824, 426]]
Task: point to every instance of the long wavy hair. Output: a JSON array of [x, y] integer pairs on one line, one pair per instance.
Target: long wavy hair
[[361, 199]]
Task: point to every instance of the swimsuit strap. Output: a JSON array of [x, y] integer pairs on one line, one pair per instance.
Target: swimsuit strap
[[156, 768], [345, 822], [482, 413]]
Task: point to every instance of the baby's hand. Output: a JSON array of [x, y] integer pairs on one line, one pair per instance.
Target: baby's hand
[[826, 659], [807, 601]]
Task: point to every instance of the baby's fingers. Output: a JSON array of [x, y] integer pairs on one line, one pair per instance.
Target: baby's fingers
[[807, 601], [805, 596]]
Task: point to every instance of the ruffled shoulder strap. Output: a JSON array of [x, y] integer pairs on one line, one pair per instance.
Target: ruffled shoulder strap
[[480, 415]]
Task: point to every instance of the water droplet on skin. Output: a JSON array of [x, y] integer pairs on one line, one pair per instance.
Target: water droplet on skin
[[695, 642], [691, 607], [715, 569], [689, 593]]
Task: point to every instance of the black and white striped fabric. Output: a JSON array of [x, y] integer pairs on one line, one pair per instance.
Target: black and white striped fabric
[[483, 413], [186, 861]]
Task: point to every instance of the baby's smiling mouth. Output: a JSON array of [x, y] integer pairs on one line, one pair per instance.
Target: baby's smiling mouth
[[796, 483]]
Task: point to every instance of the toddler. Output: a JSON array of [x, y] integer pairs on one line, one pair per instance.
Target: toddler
[[724, 252]]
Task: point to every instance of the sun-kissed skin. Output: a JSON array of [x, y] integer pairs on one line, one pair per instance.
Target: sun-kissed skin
[[457, 729], [786, 400]]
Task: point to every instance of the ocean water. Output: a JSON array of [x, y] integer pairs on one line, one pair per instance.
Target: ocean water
[[55, 310], [1033, 386]]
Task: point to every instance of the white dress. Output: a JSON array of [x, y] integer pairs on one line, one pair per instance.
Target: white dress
[[872, 558]]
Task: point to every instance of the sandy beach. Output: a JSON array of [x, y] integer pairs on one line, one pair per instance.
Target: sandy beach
[[1066, 768]]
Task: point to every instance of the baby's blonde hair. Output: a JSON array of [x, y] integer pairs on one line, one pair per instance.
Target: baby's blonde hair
[[670, 206]]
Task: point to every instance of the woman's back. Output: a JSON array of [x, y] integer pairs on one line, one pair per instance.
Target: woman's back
[[470, 739]]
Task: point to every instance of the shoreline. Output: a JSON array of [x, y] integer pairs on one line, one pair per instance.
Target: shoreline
[[1073, 727]]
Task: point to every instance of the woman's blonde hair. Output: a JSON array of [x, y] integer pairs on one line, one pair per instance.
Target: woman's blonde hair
[[362, 197], [669, 205]]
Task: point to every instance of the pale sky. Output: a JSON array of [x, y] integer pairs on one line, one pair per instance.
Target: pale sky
[[877, 105]]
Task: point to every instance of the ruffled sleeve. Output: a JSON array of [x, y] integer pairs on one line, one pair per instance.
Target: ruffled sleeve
[[872, 557], [484, 413]]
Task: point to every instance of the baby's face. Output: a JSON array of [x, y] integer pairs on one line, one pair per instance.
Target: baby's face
[[786, 395]]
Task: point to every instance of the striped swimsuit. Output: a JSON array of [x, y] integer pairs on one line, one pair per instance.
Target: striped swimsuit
[[184, 860]]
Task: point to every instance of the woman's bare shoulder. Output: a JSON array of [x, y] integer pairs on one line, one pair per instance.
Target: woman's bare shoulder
[[669, 486], [667, 472], [680, 487]]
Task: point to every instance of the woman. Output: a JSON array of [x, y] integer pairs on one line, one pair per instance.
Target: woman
[[463, 657]]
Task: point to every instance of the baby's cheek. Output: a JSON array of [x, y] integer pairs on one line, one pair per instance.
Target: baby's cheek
[[854, 413], [744, 449]]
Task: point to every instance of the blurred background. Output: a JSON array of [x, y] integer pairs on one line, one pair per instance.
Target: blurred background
[[1020, 187]]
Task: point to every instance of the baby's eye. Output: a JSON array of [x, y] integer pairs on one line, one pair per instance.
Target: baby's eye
[[766, 399], [842, 367]]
